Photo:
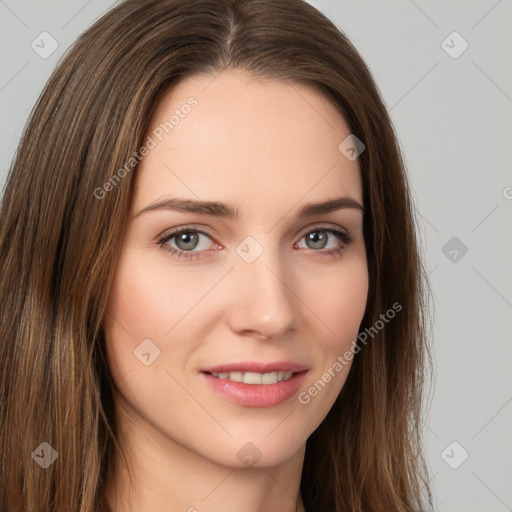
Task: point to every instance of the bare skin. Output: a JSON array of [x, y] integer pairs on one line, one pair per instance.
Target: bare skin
[[267, 148]]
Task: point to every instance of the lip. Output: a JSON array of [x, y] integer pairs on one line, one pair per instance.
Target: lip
[[255, 395], [257, 367]]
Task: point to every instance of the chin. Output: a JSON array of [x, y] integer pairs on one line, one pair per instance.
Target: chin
[[260, 448]]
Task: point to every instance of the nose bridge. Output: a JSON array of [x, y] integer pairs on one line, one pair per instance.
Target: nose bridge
[[262, 300]]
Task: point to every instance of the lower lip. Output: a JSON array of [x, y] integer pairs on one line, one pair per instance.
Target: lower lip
[[255, 395]]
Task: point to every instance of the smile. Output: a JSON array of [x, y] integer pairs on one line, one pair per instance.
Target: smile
[[254, 378]]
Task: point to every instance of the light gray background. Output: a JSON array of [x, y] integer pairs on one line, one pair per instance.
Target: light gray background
[[454, 120]]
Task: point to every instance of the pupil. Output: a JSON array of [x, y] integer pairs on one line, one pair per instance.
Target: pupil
[[318, 241], [187, 241]]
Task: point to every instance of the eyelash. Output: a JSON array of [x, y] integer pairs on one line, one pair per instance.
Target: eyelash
[[345, 238]]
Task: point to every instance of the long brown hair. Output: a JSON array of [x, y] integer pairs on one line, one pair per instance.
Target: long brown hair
[[59, 244]]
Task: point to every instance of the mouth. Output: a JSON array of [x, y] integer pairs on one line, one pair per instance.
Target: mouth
[[253, 377], [253, 384]]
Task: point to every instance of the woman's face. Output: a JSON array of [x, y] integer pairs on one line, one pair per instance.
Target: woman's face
[[253, 291]]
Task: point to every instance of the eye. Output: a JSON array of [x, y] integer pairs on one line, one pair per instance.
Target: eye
[[186, 241], [190, 243], [318, 239]]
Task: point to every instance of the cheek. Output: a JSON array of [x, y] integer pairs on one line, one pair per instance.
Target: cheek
[[340, 302], [138, 309], [150, 299], [139, 298]]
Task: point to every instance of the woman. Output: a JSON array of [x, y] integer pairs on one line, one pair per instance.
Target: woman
[[211, 287]]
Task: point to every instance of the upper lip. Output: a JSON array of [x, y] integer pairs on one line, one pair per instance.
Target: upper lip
[[256, 367]]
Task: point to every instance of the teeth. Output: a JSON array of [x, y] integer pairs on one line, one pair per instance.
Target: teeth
[[254, 378], [235, 376], [269, 378]]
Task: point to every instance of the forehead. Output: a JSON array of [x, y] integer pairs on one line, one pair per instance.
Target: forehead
[[247, 141]]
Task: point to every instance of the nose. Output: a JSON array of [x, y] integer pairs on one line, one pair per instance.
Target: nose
[[261, 299]]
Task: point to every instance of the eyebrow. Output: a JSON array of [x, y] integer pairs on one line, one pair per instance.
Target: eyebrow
[[219, 209]]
